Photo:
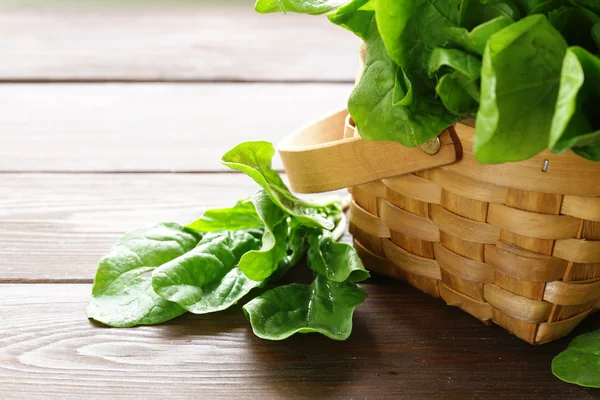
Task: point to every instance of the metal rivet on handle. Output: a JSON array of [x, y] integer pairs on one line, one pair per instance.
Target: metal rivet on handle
[[432, 146]]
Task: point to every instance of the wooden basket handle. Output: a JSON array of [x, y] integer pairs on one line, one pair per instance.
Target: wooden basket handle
[[329, 155]]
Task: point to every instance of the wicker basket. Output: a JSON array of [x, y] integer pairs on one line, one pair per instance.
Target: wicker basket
[[517, 243]]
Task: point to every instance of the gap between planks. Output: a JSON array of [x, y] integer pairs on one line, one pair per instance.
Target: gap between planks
[[55, 227], [150, 127]]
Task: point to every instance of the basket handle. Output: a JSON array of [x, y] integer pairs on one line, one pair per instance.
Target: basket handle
[[329, 155]]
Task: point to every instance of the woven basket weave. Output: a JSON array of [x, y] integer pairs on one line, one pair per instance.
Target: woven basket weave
[[517, 243]]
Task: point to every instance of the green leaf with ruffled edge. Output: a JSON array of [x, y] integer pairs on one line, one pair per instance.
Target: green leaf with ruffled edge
[[323, 306], [259, 264], [337, 261]]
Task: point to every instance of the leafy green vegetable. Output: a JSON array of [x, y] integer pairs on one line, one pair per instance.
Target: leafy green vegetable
[[519, 84], [122, 293], [241, 216], [575, 24], [458, 93], [323, 306], [477, 12], [459, 90], [355, 16], [297, 6], [596, 35], [580, 363], [254, 159], [457, 60], [156, 274], [339, 262], [576, 123], [258, 265], [476, 40], [383, 105], [401, 25], [206, 279]]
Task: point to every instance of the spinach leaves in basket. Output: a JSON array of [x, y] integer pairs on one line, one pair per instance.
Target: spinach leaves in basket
[[157, 273], [527, 70]]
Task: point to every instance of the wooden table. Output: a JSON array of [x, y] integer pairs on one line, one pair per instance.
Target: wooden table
[[112, 118]]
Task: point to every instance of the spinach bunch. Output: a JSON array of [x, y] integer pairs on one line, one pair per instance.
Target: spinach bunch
[[155, 274], [528, 70]]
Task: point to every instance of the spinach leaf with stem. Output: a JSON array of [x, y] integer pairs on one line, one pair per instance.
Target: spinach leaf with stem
[[254, 159], [323, 306], [122, 294]]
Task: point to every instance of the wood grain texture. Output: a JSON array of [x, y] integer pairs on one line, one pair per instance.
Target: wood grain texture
[[172, 43], [55, 227], [149, 127], [405, 344]]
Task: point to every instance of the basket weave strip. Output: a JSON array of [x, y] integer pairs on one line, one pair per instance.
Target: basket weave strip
[[526, 260]]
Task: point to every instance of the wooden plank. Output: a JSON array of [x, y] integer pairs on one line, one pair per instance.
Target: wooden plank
[[149, 127], [404, 345], [189, 42], [55, 227]]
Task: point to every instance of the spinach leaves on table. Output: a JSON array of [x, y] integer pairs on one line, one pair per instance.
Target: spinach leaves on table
[[155, 274], [122, 294], [580, 362]]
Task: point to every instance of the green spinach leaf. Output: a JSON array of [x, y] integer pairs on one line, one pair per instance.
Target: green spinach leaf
[[576, 123], [259, 264], [339, 262], [477, 12], [475, 41], [580, 363], [457, 60], [402, 25], [297, 6], [384, 105], [458, 93], [459, 89], [254, 159], [206, 279], [323, 306], [122, 294], [355, 16], [575, 24], [241, 216], [596, 35], [519, 87]]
